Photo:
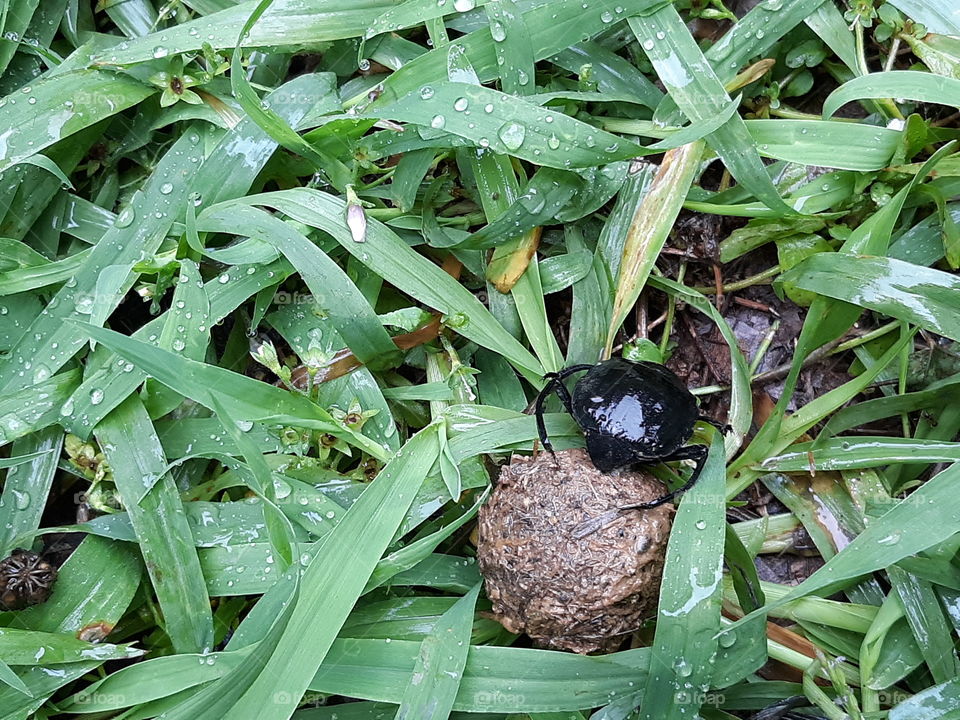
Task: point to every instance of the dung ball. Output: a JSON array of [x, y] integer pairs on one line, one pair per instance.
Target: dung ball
[[567, 592]]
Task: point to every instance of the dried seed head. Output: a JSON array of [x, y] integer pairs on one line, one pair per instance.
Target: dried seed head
[[581, 594], [25, 579]]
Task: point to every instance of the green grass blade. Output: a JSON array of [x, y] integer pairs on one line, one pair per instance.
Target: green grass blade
[[439, 669], [391, 258], [698, 92], [358, 541], [52, 115], [688, 619], [134, 453]]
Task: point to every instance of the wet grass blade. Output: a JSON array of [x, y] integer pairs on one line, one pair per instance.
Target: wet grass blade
[[243, 397], [156, 514], [850, 453], [439, 669], [358, 541], [906, 84], [885, 541], [37, 119], [919, 295], [688, 619], [392, 259], [699, 93]]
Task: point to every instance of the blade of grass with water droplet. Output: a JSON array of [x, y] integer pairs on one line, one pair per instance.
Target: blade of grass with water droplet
[[358, 541], [80, 600], [925, 617], [612, 73], [40, 117], [507, 125], [333, 292], [242, 396], [294, 24], [851, 453], [884, 541], [440, 663], [513, 266], [552, 28], [156, 206], [26, 486], [36, 406], [153, 505], [919, 295]]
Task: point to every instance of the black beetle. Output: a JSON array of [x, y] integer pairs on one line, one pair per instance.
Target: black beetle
[[630, 412]]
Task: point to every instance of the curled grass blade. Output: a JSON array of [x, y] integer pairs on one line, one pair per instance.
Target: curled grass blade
[[907, 84]]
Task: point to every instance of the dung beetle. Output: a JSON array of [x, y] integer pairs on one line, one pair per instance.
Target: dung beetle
[[630, 413]]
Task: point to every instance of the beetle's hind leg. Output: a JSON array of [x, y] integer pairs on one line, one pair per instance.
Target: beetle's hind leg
[[690, 452]]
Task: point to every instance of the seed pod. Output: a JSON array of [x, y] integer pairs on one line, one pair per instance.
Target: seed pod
[[566, 592]]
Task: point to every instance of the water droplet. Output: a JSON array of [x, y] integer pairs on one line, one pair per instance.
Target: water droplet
[[727, 639], [701, 524], [661, 35], [67, 408], [426, 92], [21, 499], [512, 135], [648, 44], [488, 108], [96, 396], [223, 279], [460, 104], [606, 16], [891, 539], [553, 142], [125, 218], [760, 34], [160, 51], [497, 31], [179, 345], [166, 188], [522, 77], [464, 5], [438, 122]]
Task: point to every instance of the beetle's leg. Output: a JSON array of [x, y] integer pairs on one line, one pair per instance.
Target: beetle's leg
[[690, 452], [724, 428], [552, 382], [567, 371], [564, 396]]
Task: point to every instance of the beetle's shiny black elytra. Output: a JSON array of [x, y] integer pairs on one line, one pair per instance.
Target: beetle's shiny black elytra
[[630, 413]]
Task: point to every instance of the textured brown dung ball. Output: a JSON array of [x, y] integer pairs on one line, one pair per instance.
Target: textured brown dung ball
[[25, 579], [582, 594]]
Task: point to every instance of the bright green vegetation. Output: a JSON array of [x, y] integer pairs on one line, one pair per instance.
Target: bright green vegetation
[[199, 196]]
